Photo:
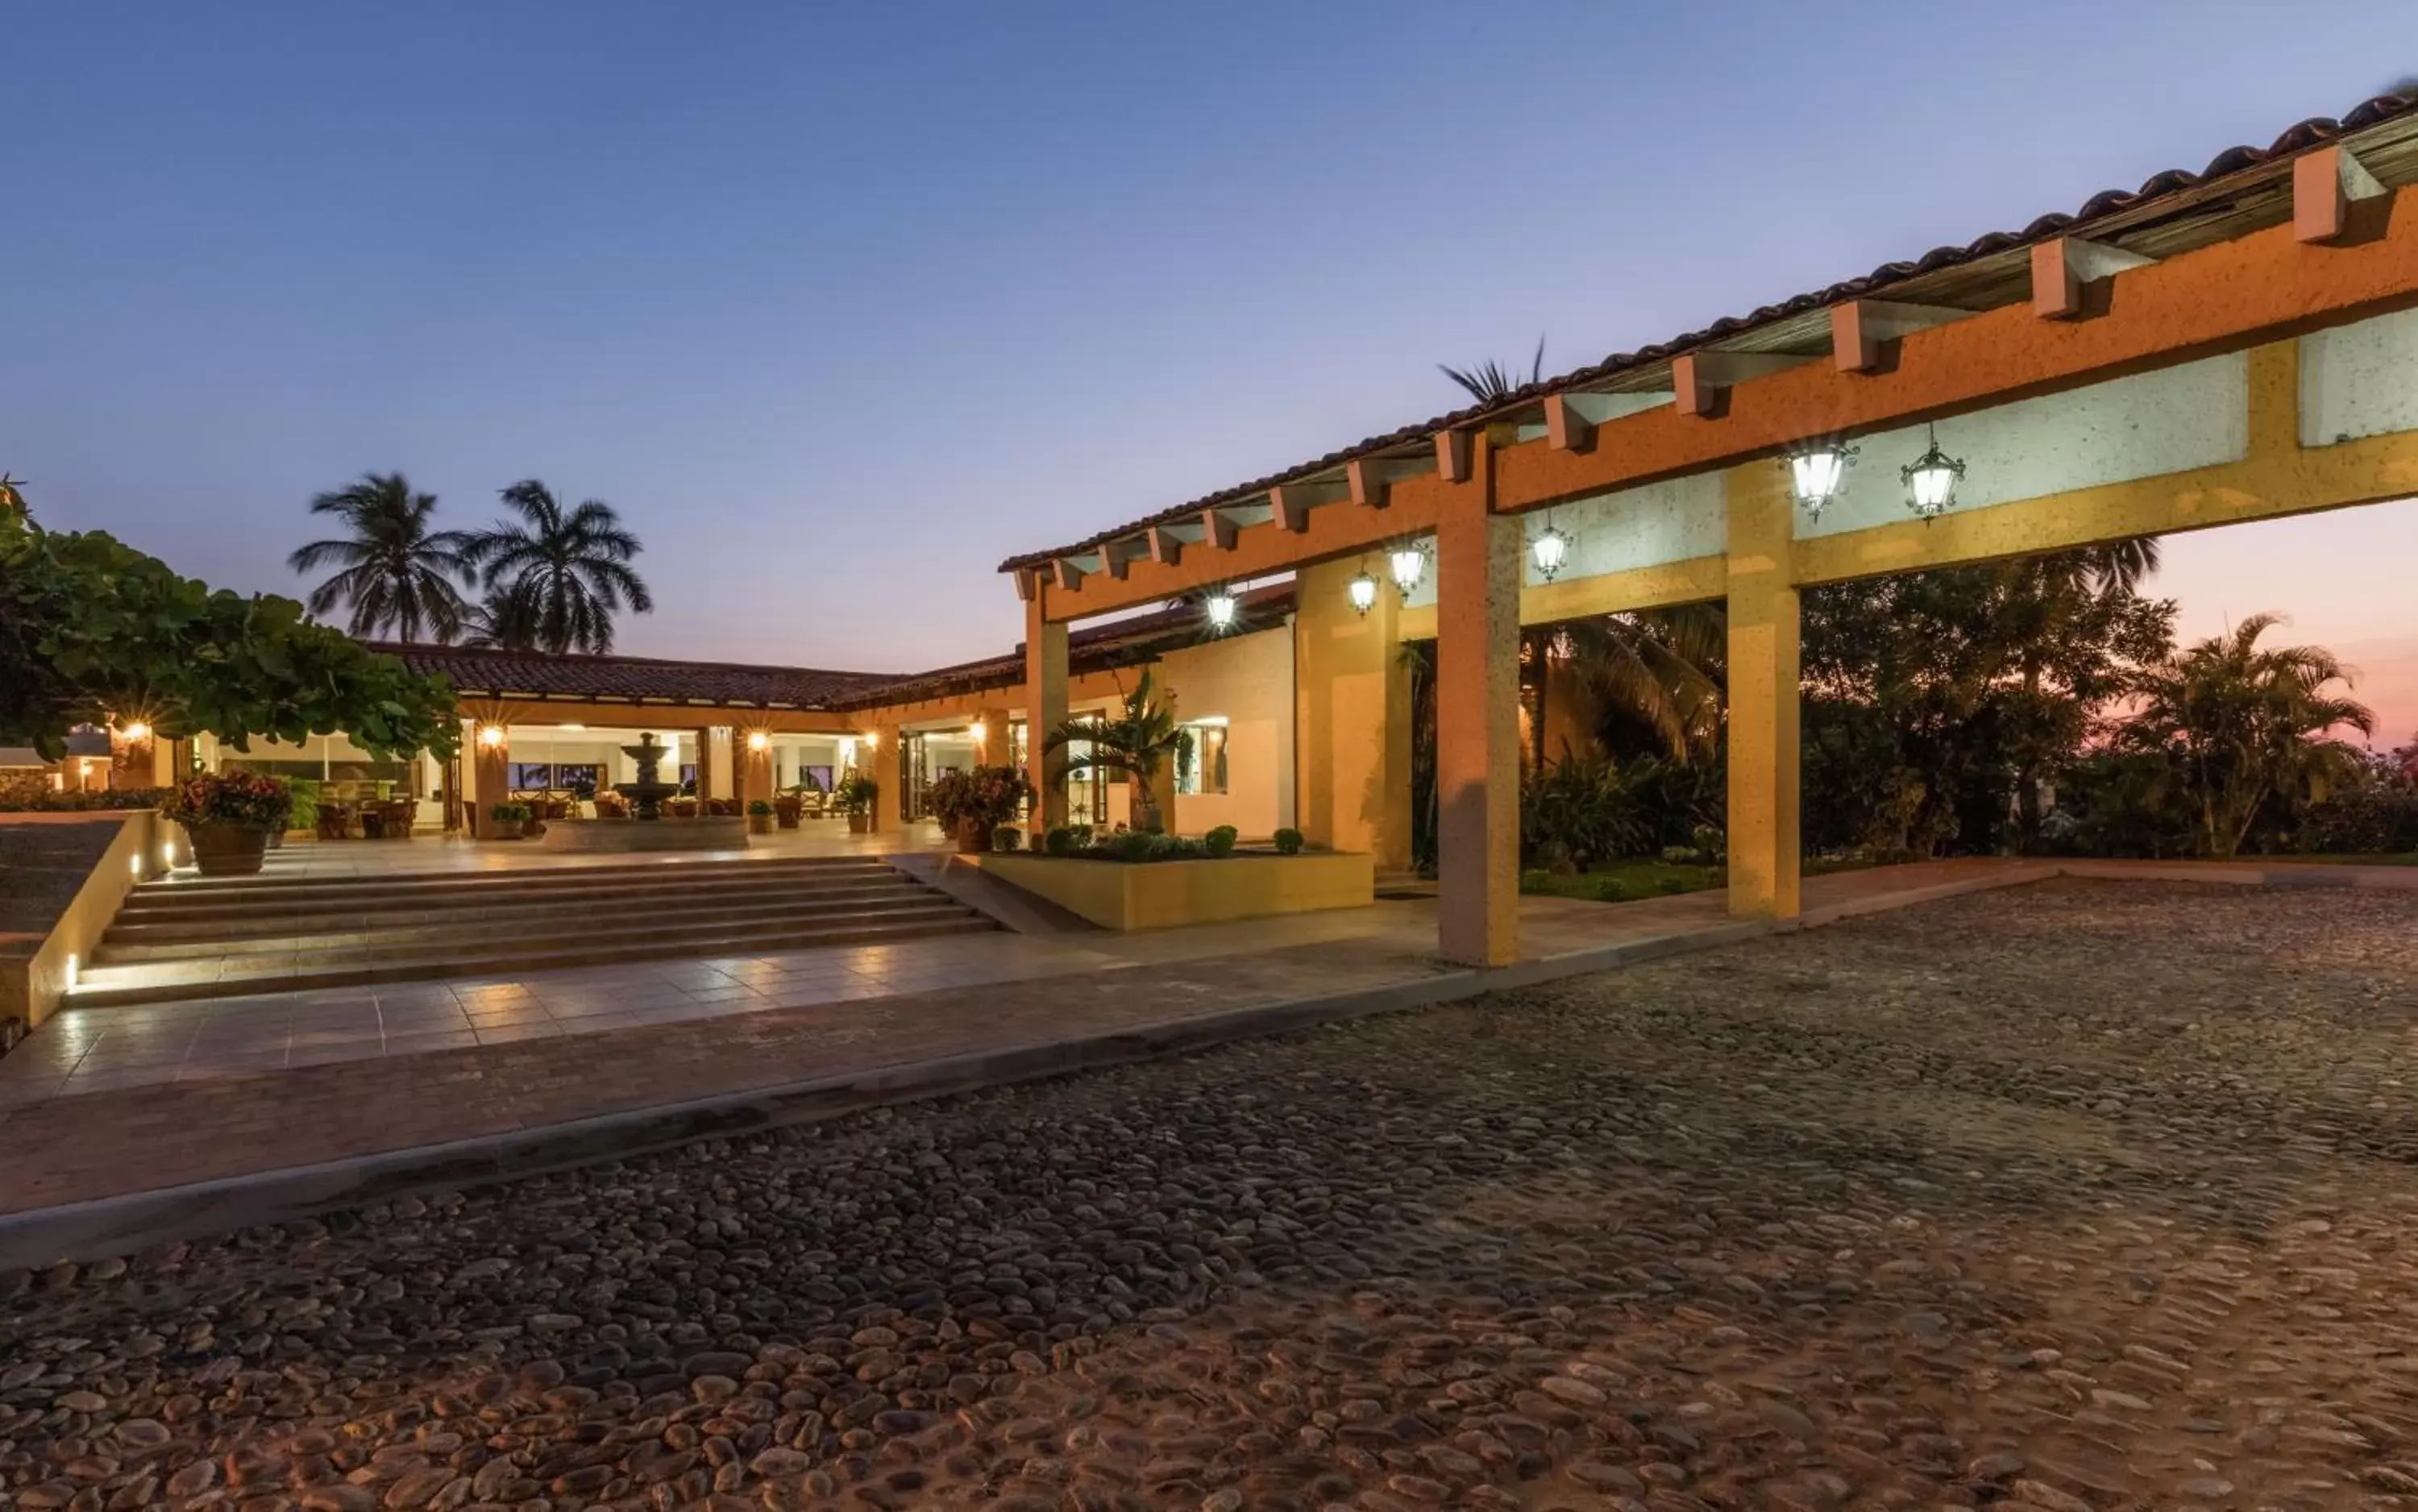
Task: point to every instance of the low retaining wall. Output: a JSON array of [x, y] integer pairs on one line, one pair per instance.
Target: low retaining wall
[[1159, 894], [38, 964], [719, 831]]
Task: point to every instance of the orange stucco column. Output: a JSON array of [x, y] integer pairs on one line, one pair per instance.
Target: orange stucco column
[[886, 761], [755, 759], [1477, 724], [1766, 848], [490, 774], [1352, 716], [991, 747], [1045, 708]]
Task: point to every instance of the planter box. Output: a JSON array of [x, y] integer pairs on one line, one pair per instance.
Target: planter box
[[630, 836], [1158, 895]]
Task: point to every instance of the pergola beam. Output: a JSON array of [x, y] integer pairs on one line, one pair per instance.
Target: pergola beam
[[1454, 449], [1571, 418], [1167, 543], [1368, 482], [1289, 504], [1861, 327], [1701, 380], [2327, 187], [1218, 528], [2065, 267]]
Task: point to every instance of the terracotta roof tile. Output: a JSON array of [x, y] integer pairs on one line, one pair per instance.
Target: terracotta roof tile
[[627, 679]]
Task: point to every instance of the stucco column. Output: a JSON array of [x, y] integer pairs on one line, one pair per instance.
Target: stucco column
[[1477, 724], [718, 759], [887, 762], [1765, 845], [991, 749], [490, 775], [703, 737], [1352, 718], [1045, 708], [754, 758]]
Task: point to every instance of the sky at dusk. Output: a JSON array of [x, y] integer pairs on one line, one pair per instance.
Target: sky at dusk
[[839, 306]]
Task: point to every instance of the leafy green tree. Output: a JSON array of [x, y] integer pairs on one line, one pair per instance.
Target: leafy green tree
[[570, 569], [91, 628], [2248, 728], [394, 572]]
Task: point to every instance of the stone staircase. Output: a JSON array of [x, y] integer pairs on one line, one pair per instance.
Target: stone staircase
[[192, 938]]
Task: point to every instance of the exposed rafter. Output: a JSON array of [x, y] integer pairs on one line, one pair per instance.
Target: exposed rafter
[[2064, 270], [1571, 418], [1700, 381], [2327, 184], [1370, 480], [1218, 528], [1454, 449], [1860, 328], [1167, 543]]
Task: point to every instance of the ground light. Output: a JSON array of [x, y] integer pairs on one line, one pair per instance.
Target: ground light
[[1363, 589], [1816, 472], [1221, 605], [1931, 480], [1409, 566], [1548, 550]]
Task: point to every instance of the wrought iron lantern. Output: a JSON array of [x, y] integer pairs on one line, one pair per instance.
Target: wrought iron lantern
[[1549, 550], [1363, 589], [1409, 566], [1931, 480], [1816, 472], [1221, 606]]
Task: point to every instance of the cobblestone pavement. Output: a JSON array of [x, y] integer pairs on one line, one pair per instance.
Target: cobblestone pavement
[[2080, 1195]]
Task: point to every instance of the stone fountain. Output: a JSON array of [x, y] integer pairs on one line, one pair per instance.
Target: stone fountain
[[649, 792]]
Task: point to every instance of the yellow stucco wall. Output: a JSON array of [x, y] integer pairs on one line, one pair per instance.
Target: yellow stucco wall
[[1352, 696], [1247, 681], [1164, 894]]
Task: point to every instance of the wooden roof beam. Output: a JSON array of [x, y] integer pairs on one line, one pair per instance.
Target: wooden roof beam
[[2331, 190], [1167, 543], [1370, 480], [1116, 556], [1290, 504], [1701, 380], [1218, 528], [1571, 418], [2066, 269], [1454, 451], [1860, 328], [1070, 574]]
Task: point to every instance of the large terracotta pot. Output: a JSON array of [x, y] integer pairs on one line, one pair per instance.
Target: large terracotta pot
[[227, 850], [787, 811], [759, 824], [974, 837], [860, 824]]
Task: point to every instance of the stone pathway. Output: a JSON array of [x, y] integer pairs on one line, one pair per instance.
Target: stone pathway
[[2082, 1196]]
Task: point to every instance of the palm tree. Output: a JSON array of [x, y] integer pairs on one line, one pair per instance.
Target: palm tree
[[1134, 745], [505, 621], [1494, 382], [394, 571], [1655, 672], [572, 571], [2247, 725]]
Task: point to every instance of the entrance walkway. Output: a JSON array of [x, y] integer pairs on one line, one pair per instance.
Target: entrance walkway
[[371, 1094]]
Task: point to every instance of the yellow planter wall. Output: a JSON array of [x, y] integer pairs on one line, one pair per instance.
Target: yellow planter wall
[[1160, 894]]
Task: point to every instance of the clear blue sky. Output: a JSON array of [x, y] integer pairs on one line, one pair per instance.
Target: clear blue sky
[[841, 305]]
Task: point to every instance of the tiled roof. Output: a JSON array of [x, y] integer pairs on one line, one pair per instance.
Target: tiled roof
[[2104, 207], [495, 674], [1118, 643]]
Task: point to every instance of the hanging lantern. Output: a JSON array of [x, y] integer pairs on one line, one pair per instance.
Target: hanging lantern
[[1816, 472], [1409, 565], [1363, 591], [1221, 606], [1548, 550], [1931, 480]]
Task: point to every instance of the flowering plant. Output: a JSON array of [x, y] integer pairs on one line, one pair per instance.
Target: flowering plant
[[238, 799], [988, 796]]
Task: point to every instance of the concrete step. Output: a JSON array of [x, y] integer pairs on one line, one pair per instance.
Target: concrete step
[[264, 920], [122, 986], [471, 930], [227, 893]]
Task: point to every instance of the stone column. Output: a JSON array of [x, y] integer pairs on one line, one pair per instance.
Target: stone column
[[1045, 708], [1765, 845], [1351, 740], [1477, 722]]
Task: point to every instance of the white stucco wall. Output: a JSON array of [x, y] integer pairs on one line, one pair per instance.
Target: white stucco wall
[[2360, 380]]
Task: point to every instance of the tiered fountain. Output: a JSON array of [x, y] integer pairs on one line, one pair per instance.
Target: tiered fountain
[[649, 792], [648, 830]]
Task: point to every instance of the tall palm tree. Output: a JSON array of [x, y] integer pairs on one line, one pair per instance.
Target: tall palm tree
[[396, 573], [570, 569], [2247, 725], [503, 621], [1655, 672]]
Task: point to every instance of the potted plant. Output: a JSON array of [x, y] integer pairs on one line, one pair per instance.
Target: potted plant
[[1134, 745], [759, 817], [230, 817], [857, 794], [973, 802], [508, 820], [790, 807]]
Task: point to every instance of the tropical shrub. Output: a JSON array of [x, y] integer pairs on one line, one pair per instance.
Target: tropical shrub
[[104, 800], [1006, 837], [988, 796], [1288, 842], [758, 808], [856, 794], [305, 793], [1579, 810], [509, 812], [1221, 841], [237, 800]]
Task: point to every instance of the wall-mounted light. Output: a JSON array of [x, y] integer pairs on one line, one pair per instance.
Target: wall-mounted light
[[1363, 589], [978, 732], [1221, 606], [491, 736], [758, 740], [137, 732], [1931, 480], [1409, 566], [1548, 550], [134, 865], [871, 739], [1816, 471]]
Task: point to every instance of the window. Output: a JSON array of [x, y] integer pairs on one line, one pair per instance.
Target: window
[[1204, 770]]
